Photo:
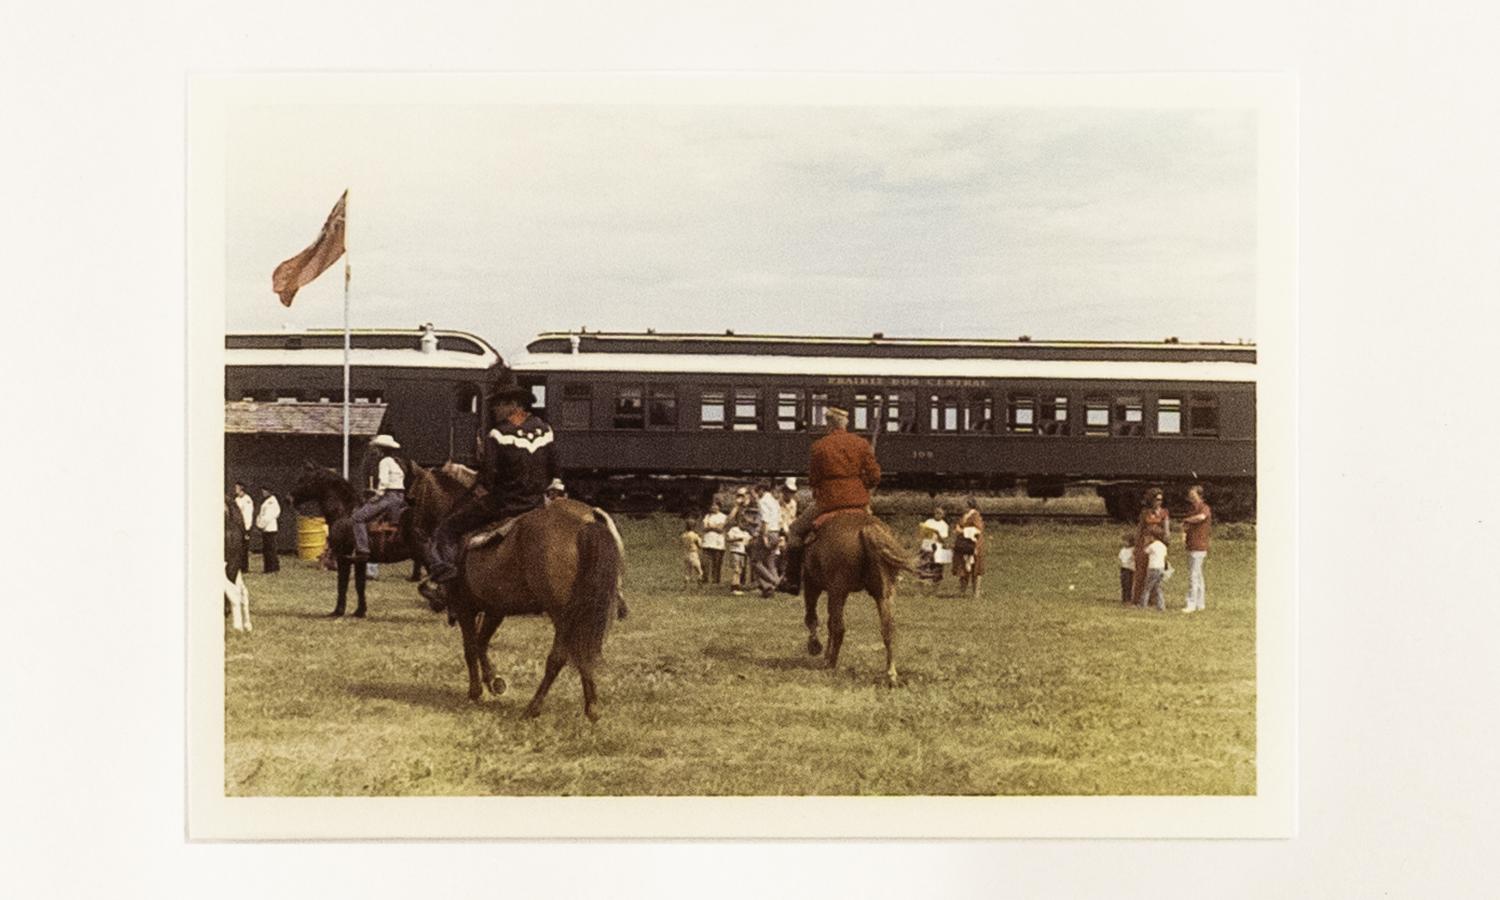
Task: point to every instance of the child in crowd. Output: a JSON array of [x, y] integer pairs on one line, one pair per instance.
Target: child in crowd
[[1127, 565], [736, 538], [1156, 571], [692, 565]]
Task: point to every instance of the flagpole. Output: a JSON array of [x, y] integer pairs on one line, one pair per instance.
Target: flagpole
[[346, 335]]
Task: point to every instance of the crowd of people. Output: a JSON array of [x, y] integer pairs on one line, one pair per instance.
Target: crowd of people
[[752, 534], [1144, 568]]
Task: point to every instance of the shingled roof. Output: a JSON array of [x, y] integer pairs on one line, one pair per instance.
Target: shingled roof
[[250, 417]]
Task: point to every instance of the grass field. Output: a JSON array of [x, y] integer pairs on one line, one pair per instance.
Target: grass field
[[1043, 685]]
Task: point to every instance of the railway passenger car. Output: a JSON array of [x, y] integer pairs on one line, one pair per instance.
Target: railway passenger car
[[429, 381], [650, 418]]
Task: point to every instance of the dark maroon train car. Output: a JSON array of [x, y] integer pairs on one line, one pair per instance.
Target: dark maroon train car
[[632, 408]]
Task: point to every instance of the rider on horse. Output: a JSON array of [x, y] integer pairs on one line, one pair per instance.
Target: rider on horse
[[390, 493], [519, 461], [842, 472]]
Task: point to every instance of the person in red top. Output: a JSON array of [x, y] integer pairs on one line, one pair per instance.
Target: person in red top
[[842, 471], [1153, 515], [1198, 525]]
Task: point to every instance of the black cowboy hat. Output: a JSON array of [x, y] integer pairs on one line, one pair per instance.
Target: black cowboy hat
[[505, 388]]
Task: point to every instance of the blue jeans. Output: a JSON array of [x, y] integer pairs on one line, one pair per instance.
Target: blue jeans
[[1153, 590], [390, 500], [1196, 587]]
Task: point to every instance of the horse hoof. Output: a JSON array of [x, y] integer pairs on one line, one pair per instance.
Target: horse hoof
[[497, 685], [532, 711], [336, 614], [591, 714], [359, 614], [476, 694], [814, 647]]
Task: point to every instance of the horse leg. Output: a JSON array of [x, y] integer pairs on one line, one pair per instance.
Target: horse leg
[[810, 600], [590, 691], [360, 574], [467, 627], [884, 606], [557, 657], [835, 627], [488, 624], [338, 608]]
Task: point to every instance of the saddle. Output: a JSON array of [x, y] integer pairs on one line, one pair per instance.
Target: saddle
[[822, 519]]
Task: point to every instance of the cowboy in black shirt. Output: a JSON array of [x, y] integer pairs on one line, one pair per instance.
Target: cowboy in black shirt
[[519, 462]]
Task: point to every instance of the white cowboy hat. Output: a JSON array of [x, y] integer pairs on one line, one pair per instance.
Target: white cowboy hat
[[558, 486], [385, 440], [790, 484]]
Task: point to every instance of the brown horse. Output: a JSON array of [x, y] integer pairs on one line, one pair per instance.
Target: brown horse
[[428, 500], [565, 561], [852, 551]]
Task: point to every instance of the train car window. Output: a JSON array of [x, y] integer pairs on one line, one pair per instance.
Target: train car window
[[789, 411], [712, 409], [942, 413], [577, 411], [979, 414], [663, 408], [817, 409], [1203, 417], [538, 396], [1052, 416], [1020, 415], [1130, 414], [466, 399], [629, 408], [746, 409], [896, 410], [1096, 416], [1169, 415], [901, 412]]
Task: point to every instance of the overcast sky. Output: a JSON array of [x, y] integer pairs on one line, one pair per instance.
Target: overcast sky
[[993, 222]]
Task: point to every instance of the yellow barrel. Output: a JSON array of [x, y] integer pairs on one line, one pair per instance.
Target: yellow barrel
[[312, 534]]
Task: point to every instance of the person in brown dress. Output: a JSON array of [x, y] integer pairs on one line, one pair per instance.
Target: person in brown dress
[[971, 519], [1153, 515]]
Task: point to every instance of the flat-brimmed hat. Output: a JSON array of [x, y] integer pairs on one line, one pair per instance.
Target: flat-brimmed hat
[[837, 411], [790, 484], [386, 441], [557, 485]]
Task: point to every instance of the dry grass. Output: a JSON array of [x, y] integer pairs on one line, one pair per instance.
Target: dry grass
[[1035, 688]]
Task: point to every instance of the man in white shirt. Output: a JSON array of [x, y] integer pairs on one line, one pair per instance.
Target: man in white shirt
[[247, 515], [714, 525], [267, 520], [763, 547], [390, 493]]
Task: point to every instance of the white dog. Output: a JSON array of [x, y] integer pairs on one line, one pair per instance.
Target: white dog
[[238, 596]]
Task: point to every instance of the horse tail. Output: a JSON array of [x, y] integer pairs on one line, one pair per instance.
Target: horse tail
[[881, 545], [596, 590]]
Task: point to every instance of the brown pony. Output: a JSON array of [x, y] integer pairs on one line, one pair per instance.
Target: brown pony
[[852, 551], [565, 561]]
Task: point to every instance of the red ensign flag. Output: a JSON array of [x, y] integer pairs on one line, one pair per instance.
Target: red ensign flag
[[291, 275]]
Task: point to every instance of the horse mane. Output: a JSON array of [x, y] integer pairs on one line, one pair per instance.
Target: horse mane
[[456, 475]]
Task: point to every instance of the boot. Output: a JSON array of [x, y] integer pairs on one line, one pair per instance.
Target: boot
[[791, 580]]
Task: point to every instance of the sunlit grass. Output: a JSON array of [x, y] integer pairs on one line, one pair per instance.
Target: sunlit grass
[[1044, 685]]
